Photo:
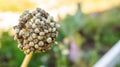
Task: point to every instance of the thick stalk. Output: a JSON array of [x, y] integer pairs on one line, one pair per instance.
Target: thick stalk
[[26, 60]]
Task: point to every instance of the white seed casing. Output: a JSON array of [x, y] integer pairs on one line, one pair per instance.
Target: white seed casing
[[41, 43], [31, 44], [36, 30], [49, 40], [41, 33]]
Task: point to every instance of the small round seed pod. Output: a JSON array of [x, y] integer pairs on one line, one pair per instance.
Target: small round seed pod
[[32, 48], [43, 19], [38, 14], [42, 23], [30, 38], [35, 40], [28, 25], [34, 25], [50, 29], [46, 31], [31, 44], [37, 21], [33, 19], [36, 31], [52, 24], [53, 29], [28, 16], [57, 26], [40, 37], [34, 35], [27, 51], [49, 19], [20, 41], [48, 35], [41, 33], [36, 46], [53, 35], [26, 47], [15, 37], [56, 42], [31, 30], [49, 40], [20, 46], [26, 34], [21, 32], [41, 43], [25, 41]]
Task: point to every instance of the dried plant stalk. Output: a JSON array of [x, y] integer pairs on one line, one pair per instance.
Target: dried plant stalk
[[26, 60]]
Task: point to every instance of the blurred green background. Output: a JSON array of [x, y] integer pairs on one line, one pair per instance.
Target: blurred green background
[[84, 37]]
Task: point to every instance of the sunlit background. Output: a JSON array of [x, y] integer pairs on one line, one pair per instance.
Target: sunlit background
[[89, 28]]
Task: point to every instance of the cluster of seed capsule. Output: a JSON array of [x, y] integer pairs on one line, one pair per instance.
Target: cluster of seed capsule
[[36, 31]]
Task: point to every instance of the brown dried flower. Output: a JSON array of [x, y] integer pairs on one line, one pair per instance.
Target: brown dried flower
[[36, 31]]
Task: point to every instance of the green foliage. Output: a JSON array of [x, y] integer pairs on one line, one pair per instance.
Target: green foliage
[[10, 55], [71, 24]]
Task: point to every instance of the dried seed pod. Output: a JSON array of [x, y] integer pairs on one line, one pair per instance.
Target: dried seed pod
[[56, 42], [26, 34], [49, 40], [33, 19], [31, 30], [34, 25], [48, 35], [15, 37], [49, 19], [30, 38], [46, 31], [27, 51], [41, 43], [41, 33], [52, 24], [25, 41], [53, 29], [40, 37], [36, 46], [32, 49], [36, 31], [42, 23], [20, 41], [57, 25], [50, 29], [26, 47], [38, 14], [28, 16], [37, 21], [34, 35], [53, 35], [31, 44], [35, 40], [20, 46], [28, 25], [21, 32]]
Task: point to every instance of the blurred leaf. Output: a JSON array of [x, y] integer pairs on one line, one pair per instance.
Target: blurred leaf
[[78, 39], [9, 53], [78, 16], [71, 24]]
